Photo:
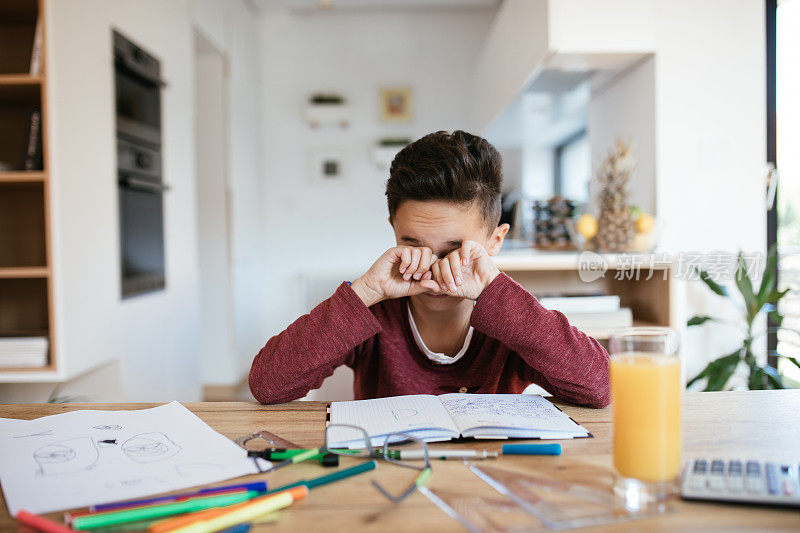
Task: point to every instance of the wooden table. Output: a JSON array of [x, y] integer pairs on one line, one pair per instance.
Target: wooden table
[[756, 424]]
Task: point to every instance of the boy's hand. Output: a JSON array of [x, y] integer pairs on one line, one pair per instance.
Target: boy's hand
[[464, 272], [397, 273]]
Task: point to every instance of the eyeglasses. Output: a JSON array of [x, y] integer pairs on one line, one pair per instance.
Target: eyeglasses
[[400, 449]]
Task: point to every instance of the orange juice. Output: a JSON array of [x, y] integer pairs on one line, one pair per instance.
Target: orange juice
[[646, 400]]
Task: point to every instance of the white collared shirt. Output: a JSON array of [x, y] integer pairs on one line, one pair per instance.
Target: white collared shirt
[[434, 356]]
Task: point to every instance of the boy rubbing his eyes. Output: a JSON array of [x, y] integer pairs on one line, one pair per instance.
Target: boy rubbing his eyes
[[434, 314]]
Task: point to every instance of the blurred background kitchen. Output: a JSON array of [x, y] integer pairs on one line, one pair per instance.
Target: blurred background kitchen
[[181, 179]]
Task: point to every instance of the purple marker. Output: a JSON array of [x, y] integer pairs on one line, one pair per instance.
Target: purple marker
[[260, 486]]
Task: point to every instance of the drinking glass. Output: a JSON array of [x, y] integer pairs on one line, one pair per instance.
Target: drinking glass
[[646, 400]]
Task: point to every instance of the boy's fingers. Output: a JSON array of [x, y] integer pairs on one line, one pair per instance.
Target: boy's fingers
[[436, 273], [416, 255], [429, 284], [405, 259], [455, 266], [424, 263], [469, 251], [446, 277]]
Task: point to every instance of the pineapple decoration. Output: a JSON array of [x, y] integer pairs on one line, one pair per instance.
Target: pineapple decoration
[[615, 224]]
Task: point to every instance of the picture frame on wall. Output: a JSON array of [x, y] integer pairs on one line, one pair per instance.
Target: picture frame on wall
[[396, 104], [327, 166]]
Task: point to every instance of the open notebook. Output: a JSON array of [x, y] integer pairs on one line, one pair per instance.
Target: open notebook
[[449, 416]]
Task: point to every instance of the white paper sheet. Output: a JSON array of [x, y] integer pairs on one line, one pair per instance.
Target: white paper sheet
[[62, 462], [10, 422], [419, 414]]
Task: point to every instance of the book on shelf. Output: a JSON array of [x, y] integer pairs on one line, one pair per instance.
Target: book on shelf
[[33, 150], [36, 50], [599, 324], [23, 352], [581, 304]]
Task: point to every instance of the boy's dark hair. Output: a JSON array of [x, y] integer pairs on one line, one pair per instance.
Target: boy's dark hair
[[452, 167]]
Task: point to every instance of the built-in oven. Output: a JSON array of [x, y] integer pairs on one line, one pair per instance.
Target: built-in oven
[[140, 181]]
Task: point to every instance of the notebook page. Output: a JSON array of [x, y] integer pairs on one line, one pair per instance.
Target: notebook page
[[421, 415], [507, 411]]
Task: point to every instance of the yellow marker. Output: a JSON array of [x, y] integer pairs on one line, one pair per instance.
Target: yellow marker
[[254, 509]]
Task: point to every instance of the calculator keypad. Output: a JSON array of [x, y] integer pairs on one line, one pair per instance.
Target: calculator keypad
[[742, 480]]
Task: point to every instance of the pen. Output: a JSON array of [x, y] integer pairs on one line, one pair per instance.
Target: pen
[[40, 523], [244, 513], [531, 449], [441, 454], [124, 516], [330, 478], [260, 486]]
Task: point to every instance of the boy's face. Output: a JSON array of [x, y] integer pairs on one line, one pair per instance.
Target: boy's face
[[442, 227]]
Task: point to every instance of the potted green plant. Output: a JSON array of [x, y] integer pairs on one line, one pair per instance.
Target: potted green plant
[[752, 304]]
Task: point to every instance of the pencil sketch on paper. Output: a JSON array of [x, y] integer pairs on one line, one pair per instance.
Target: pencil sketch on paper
[[39, 434], [402, 414], [150, 447], [66, 457], [133, 483], [515, 406], [107, 426]]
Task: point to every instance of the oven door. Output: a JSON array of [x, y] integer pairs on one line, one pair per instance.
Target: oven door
[[141, 202]]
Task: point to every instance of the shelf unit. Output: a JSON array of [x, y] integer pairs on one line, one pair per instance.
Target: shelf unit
[[652, 296], [26, 281]]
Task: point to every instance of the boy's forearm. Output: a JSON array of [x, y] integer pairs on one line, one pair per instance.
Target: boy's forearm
[[298, 359], [574, 364]]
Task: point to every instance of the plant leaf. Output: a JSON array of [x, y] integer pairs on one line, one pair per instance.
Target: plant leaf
[[699, 376], [775, 296], [713, 285], [792, 359], [775, 317], [768, 278], [698, 319], [745, 286], [756, 379], [774, 378], [721, 370]]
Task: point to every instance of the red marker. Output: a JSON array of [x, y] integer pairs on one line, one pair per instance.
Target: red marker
[[40, 523]]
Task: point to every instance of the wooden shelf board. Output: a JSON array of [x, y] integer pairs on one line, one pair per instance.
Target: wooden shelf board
[[23, 176], [20, 79], [50, 373], [24, 272]]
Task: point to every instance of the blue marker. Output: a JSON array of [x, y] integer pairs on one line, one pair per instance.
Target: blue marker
[[531, 449]]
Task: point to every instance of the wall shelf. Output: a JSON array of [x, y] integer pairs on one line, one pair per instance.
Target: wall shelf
[[19, 79], [23, 176], [26, 288], [24, 272]]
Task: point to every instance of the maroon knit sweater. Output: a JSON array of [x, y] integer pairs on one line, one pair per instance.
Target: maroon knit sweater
[[516, 342]]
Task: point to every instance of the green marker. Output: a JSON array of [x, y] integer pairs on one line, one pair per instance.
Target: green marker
[[113, 518], [330, 478]]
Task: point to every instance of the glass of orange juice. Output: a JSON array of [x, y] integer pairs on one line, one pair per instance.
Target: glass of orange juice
[[646, 402]]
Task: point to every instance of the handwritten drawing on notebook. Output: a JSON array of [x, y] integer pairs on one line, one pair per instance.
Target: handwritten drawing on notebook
[[449, 416]]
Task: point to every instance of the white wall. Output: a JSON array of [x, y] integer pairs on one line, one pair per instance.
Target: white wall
[[217, 346], [625, 109], [336, 231], [153, 338], [711, 143], [515, 47]]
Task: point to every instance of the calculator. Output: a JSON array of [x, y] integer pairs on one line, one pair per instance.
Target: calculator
[[742, 481]]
